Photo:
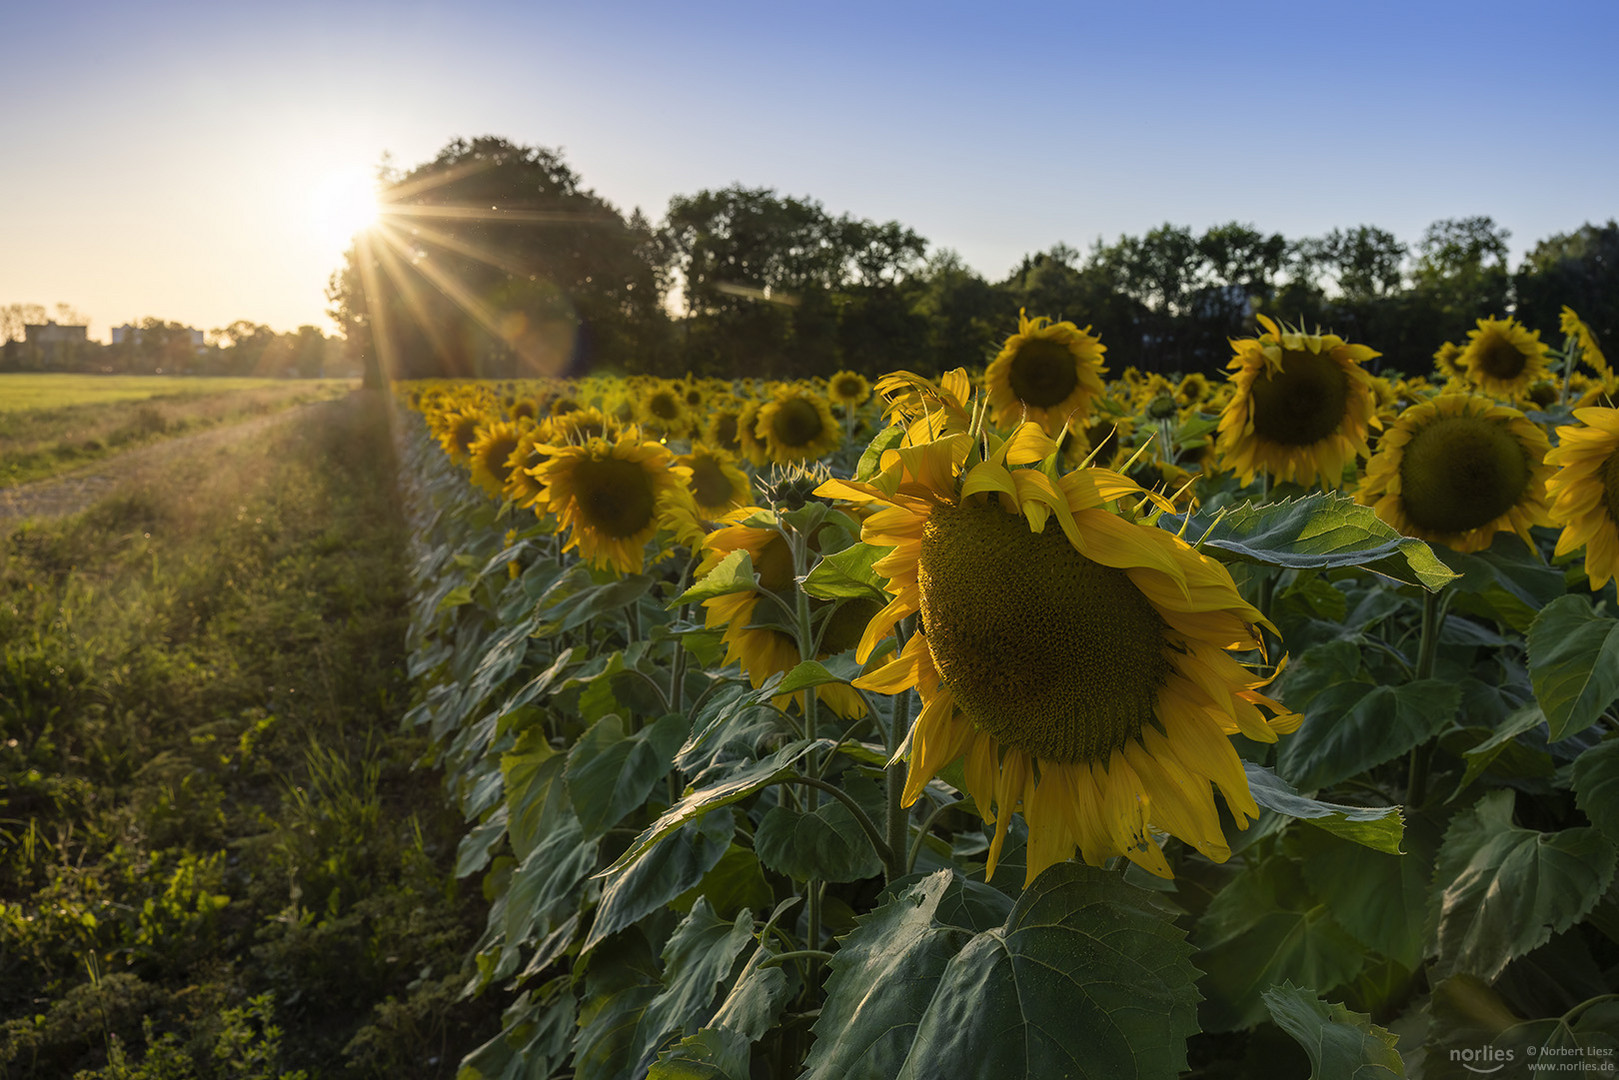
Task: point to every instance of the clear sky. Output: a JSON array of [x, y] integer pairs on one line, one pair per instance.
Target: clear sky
[[168, 158]]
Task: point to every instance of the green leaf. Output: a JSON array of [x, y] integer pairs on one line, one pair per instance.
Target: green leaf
[[698, 958], [807, 674], [711, 1054], [1313, 532], [1480, 757], [1596, 787], [611, 773], [667, 872], [456, 597], [871, 459], [535, 790], [473, 853], [1086, 977], [755, 1003], [739, 785], [1351, 728], [1342, 1045], [545, 888], [1377, 827], [1264, 928], [1573, 664], [732, 574], [1507, 582], [1501, 891], [827, 843], [536, 1034], [735, 882], [622, 981], [1380, 898], [848, 573]]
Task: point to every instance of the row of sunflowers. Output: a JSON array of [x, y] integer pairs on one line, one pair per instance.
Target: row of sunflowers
[[1034, 721]]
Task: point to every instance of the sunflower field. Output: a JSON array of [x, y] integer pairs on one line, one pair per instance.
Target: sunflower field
[[1031, 723]]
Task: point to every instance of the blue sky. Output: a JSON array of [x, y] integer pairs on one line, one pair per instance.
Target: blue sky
[[160, 158]]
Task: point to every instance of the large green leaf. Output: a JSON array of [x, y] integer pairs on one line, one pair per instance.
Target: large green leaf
[[699, 957], [1313, 532], [1352, 727], [611, 773], [1573, 664], [666, 872], [1264, 928], [745, 781], [1500, 891], [732, 574], [1596, 786], [622, 981], [711, 1054], [1377, 827], [1087, 977], [1342, 1045], [1480, 757], [535, 1037], [544, 889]]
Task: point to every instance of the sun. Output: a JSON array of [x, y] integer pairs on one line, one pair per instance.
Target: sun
[[342, 204]]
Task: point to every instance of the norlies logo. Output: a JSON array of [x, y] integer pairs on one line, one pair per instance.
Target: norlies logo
[[1474, 1059]]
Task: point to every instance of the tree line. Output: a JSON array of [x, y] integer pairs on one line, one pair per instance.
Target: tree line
[[495, 260]]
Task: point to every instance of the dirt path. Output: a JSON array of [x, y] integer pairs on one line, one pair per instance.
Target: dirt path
[[74, 491]]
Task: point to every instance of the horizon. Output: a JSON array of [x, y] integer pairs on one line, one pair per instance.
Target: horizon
[[160, 180]]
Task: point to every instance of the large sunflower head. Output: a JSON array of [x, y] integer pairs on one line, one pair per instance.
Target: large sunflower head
[[1584, 491], [1046, 372], [1301, 409], [1079, 661], [608, 496], [1458, 469], [1503, 357], [457, 429], [796, 425]]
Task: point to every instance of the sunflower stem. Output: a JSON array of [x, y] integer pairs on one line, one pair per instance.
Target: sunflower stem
[[898, 817], [1433, 618]]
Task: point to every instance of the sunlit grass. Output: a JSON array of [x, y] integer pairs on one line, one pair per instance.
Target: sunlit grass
[[24, 392]]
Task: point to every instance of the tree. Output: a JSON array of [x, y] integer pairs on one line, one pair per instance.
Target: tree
[[493, 260], [1461, 273], [1579, 269]]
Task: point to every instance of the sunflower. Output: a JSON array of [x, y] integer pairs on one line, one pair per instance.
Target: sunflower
[[849, 389], [1458, 469], [1503, 357], [754, 636], [1301, 409], [523, 486], [1192, 390], [1584, 491], [456, 431], [1076, 659], [608, 495], [663, 410], [1445, 361], [796, 425], [748, 444], [1045, 372], [490, 453], [717, 484]]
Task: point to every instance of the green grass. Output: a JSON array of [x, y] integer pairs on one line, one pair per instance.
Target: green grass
[[49, 439], [217, 857], [28, 392]]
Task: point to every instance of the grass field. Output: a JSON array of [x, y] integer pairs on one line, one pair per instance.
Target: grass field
[[74, 420], [28, 392], [217, 857]]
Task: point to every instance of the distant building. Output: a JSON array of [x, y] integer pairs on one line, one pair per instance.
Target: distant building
[[49, 333], [132, 334]]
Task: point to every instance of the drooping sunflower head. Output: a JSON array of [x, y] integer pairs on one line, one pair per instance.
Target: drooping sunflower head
[[717, 484], [1458, 469], [1584, 491], [1301, 408], [1045, 373], [490, 452], [1586, 342], [1503, 357], [1079, 661], [608, 494], [848, 389], [796, 425]]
